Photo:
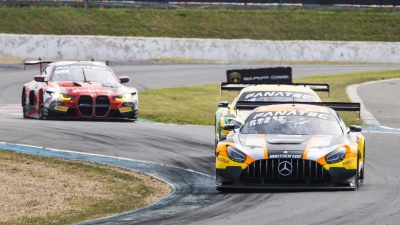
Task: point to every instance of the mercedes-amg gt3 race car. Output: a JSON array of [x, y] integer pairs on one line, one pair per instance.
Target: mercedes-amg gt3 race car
[[292, 146], [78, 90], [262, 84]]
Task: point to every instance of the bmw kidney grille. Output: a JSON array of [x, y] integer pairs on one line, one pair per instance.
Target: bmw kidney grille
[[102, 106]]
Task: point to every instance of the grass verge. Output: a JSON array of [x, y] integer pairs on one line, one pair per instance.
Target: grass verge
[[197, 105], [271, 24], [43, 190]]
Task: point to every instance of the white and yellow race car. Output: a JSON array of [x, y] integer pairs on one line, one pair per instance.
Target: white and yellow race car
[[259, 85]]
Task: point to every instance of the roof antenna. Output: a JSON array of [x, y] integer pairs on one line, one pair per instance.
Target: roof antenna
[[40, 59]]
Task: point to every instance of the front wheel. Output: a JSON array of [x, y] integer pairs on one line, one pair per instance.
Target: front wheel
[[24, 112], [41, 113], [357, 176], [24, 109]]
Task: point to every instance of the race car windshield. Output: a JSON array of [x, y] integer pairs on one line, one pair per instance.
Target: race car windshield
[[282, 96], [83, 74], [291, 123]]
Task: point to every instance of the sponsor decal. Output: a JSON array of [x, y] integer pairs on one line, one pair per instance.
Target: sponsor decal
[[61, 108], [61, 71], [285, 168], [287, 140], [125, 109], [61, 68], [284, 156], [235, 77], [225, 132], [348, 161], [260, 121], [265, 118], [271, 77], [280, 77], [256, 78], [278, 94], [91, 90], [292, 113], [223, 160]]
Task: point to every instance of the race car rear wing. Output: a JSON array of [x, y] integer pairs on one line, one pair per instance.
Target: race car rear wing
[[337, 106], [237, 87], [40, 62], [35, 62], [238, 79]]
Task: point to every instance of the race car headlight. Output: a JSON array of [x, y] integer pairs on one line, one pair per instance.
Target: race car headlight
[[66, 97], [128, 96], [56, 95], [336, 156], [235, 154]]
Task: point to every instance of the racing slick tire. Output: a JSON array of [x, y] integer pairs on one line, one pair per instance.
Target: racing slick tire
[[23, 98], [223, 189], [41, 113], [24, 112], [361, 177], [357, 176]]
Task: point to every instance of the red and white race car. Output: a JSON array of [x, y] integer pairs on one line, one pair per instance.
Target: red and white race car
[[78, 90]]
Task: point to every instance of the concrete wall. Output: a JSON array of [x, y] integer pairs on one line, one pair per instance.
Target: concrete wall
[[138, 48]]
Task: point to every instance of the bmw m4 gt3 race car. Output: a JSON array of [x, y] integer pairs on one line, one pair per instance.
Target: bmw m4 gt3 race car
[[263, 84], [78, 90], [292, 146]]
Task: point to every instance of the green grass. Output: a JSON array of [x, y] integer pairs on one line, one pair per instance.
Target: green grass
[[271, 24], [197, 105], [120, 191]]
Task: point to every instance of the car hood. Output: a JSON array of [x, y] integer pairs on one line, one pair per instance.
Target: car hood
[[260, 146], [88, 88]]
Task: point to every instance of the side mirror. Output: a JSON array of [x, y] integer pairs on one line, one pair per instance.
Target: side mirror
[[40, 78], [123, 79], [223, 104], [229, 126], [355, 128]]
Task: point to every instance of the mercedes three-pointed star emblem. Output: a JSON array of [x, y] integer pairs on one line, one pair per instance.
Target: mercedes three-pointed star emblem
[[285, 168]]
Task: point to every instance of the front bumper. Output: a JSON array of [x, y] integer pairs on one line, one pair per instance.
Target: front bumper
[[229, 182], [264, 174], [90, 109]]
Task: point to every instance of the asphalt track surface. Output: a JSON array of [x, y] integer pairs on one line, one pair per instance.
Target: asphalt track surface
[[191, 147]]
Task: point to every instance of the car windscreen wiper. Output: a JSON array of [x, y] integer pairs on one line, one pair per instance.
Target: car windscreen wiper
[[84, 76]]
